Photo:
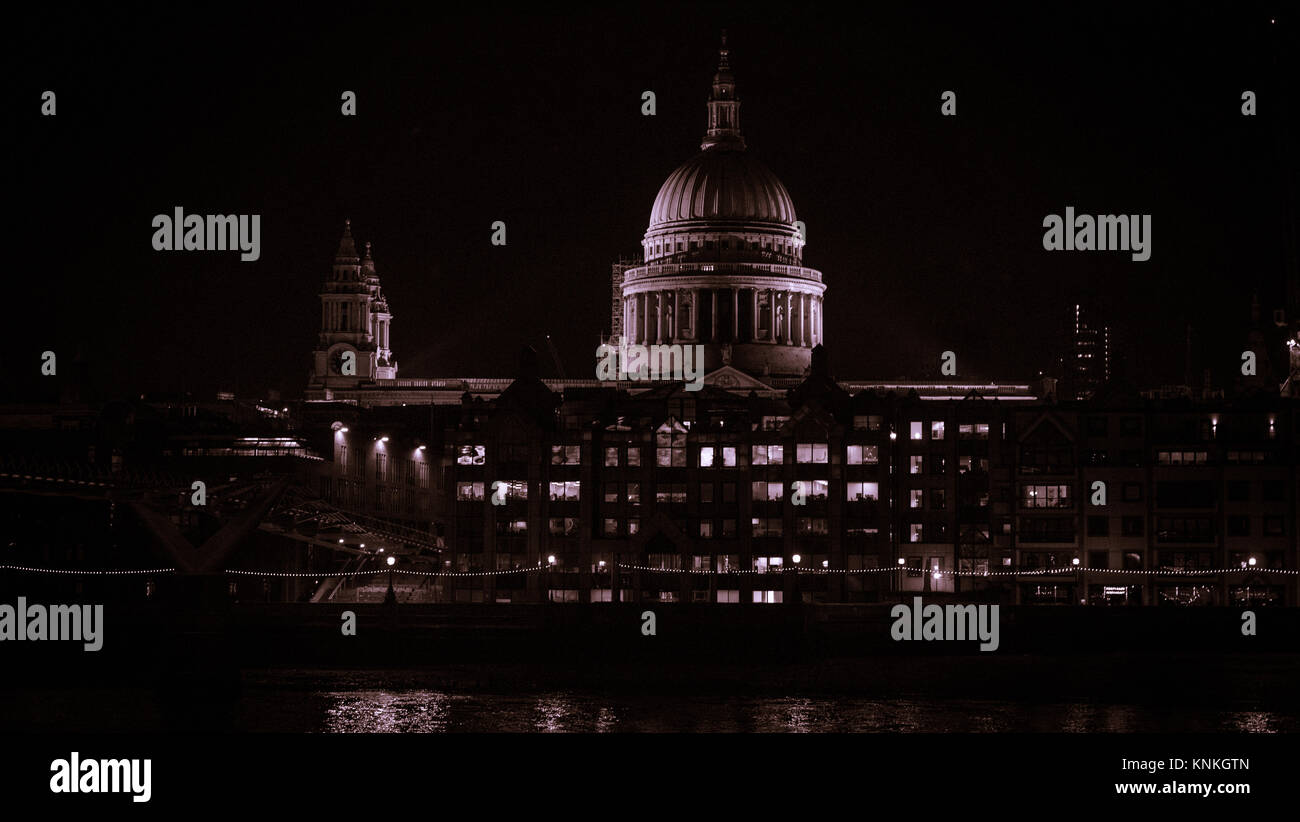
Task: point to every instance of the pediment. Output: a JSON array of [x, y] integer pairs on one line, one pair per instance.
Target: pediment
[[733, 379]]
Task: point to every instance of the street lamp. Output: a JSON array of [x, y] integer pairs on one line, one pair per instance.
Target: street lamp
[[390, 598]]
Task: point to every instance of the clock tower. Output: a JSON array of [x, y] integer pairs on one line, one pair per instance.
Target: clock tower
[[353, 344]]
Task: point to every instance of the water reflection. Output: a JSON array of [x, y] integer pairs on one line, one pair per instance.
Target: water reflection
[[1255, 722], [425, 711], [385, 712]]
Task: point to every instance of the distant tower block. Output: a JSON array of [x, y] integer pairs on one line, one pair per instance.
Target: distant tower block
[[616, 319]]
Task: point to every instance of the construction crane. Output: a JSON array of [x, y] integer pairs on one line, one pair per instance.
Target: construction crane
[[555, 357]]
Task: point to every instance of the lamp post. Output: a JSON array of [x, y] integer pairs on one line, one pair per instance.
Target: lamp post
[[390, 598], [797, 599], [1078, 581], [892, 502], [550, 566]]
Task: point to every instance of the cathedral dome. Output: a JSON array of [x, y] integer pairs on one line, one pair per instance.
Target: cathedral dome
[[722, 185], [723, 258]]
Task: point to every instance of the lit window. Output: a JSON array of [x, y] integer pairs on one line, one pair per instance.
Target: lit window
[[862, 454], [814, 452], [936, 430], [471, 455], [763, 564], [565, 454], [768, 454], [516, 489], [813, 489], [670, 447], [858, 491], [468, 491], [565, 491], [916, 429]]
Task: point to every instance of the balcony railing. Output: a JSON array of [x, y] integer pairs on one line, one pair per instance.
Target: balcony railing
[[672, 269]]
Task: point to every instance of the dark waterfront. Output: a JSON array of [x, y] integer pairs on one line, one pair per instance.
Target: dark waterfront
[[1081, 695]]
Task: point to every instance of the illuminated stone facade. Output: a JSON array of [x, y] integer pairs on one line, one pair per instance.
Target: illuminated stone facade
[[723, 258]]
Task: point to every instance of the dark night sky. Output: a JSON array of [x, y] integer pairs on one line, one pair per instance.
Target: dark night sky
[[927, 229]]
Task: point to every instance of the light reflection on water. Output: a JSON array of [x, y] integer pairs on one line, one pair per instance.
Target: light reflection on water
[[424, 711]]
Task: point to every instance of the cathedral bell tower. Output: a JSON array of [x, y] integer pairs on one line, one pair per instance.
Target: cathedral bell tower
[[353, 345]]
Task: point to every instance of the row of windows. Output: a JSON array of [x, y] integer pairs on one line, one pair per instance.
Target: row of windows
[[1186, 429], [567, 491], [1133, 457], [1173, 529], [670, 452], [1032, 496], [966, 431], [660, 248], [917, 430]]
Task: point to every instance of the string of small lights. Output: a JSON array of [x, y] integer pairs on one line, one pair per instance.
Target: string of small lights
[[37, 478], [87, 572], [1022, 573], [1164, 572], [378, 572]]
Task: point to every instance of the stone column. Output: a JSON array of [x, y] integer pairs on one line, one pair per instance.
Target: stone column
[[803, 320], [753, 315], [713, 315], [735, 317], [659, 316], [789, 317]]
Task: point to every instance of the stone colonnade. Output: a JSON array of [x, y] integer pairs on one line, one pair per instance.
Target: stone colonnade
[[723, 315]]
